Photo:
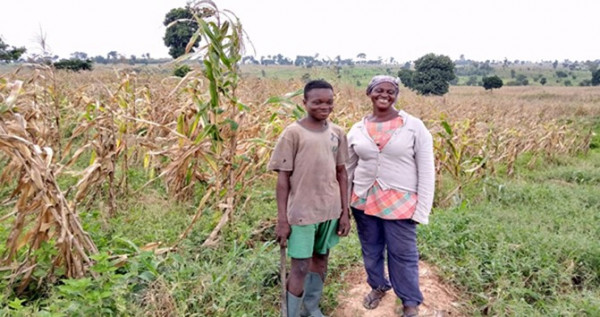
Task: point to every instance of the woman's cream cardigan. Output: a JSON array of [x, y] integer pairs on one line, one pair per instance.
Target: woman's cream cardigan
[[405, 163]]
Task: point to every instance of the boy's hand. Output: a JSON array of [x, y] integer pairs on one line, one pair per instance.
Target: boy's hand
[[344, 225], [282, 232]]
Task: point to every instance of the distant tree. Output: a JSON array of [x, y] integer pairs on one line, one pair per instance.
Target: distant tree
[[543, 81], [361, 56], [112, 56], [592, 66], [472, 81], [522, 80], [555, 64], [513, 73], [9, 54], [561, 74], [433, 74], [79, 55], [492, 82], [568, 83], [596, 78], [181, 27], [585, 82], [73, 64], [405, 76], [100, 59], [249, 60]]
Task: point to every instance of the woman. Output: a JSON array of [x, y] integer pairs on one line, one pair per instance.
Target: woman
[[391, 171]]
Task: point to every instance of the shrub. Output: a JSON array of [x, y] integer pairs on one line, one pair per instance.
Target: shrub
[[181, 70], [492, 82], [74, 64]]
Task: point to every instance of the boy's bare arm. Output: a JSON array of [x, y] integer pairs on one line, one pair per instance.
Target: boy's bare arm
[[344, 222], [282, 229]]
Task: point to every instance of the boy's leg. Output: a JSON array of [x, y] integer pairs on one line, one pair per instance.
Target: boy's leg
[[300, 248], [297, 246], [318, 264], [313, 285], [403, 260], [326, 237], [295, 282]]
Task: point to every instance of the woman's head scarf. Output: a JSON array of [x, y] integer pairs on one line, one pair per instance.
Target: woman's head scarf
[[376, 80]]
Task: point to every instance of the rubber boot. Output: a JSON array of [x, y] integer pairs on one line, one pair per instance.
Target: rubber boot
[[293, 305], [313, 289]]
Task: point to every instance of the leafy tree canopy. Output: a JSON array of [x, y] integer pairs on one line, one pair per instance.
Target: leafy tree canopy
[[492, 82], [8, 53], [181, 26], [432, 74], [405, 76], [596, 78]]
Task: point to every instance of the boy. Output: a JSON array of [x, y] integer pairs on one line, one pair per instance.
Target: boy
[[312, 198]]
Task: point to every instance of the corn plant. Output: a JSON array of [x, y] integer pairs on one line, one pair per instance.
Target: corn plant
[[41, 216], [218, 125]]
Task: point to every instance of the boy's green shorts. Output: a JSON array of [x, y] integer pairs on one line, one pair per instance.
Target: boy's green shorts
[[316, 238]]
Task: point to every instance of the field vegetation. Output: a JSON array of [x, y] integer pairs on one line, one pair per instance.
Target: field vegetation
[[130, 191], [128, 159]]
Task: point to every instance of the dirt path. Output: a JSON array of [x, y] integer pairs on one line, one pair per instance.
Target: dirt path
[[440, 299]]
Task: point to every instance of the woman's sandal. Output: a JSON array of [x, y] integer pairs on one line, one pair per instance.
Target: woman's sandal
[[371, 301]]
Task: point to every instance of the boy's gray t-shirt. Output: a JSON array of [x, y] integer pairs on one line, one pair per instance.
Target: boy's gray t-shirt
[[312, 158]]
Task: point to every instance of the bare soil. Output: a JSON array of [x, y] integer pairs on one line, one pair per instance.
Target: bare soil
[[439, 300]]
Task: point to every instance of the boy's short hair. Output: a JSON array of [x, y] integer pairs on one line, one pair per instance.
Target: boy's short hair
[[316, 84]]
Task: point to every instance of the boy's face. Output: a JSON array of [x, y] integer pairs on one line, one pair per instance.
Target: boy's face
[[319, 103]]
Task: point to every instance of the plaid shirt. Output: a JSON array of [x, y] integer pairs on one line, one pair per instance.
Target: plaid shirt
[[387, 204]]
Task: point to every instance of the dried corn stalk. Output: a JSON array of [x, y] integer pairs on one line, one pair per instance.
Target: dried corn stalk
[[41, 212]]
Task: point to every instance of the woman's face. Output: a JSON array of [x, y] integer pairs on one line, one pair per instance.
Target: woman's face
[[383, 96]]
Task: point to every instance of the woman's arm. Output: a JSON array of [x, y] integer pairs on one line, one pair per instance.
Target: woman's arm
[[425, 175]]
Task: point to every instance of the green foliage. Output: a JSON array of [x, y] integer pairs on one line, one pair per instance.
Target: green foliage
[[543, 81], [181, 70], [181, 27], [492, 82], [74, 64], [596, 78], [406, 76], [472, 81], [529, 248], [433, 74], [10, 54], [561, 74], [522, 80]]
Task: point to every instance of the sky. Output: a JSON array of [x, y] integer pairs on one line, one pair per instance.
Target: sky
[[532, 30]]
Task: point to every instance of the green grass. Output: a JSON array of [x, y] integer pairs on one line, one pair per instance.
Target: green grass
[[530, 249]]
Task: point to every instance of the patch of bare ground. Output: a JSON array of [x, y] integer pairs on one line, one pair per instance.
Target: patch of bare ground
[[440, 300]]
